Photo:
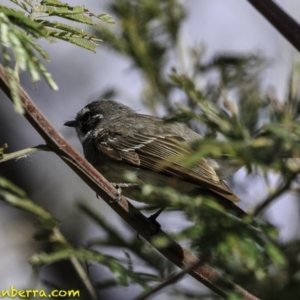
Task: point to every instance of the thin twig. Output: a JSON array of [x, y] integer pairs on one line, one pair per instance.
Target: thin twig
[[23, 153], [173, 251], [84, 276], [282, 189], [284, 23], [168, 281], [58, 236], [21, 201]]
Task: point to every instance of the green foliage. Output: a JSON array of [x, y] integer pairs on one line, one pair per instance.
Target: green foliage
[[134, 247], [17, 197], [267, 148], [217, 119], [19, 31], [249, 255], [146, 36], [62, 250], [122, 274], [23, 48]]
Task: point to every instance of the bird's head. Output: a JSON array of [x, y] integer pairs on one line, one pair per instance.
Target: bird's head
[[96, 115]]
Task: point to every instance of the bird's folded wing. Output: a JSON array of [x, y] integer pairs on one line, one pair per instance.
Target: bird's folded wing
[[161, 153]]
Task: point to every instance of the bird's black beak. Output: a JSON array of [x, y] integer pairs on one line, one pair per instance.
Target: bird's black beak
[[71, 123]]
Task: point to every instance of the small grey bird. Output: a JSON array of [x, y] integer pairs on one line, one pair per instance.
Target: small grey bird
[[117, 140]]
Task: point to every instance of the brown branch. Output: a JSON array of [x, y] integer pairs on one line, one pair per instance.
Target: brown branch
[[284, 23], [174, 252]]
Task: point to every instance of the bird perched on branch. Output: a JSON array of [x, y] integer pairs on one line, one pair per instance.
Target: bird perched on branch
[[117, 140]]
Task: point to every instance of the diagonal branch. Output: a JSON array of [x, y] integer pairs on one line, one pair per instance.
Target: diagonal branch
[[174, 252], [284, 23]]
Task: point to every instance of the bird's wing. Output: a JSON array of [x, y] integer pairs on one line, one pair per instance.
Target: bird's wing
[[161, 153]]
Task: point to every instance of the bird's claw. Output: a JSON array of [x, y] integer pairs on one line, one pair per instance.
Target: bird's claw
[[153, 228], [119, 187], [119, 193], [155, 215]]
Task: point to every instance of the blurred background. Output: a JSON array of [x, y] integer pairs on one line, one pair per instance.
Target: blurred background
[[232, 27]]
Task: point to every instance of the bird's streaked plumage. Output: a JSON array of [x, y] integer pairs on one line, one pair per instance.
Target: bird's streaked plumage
[[116, 140]]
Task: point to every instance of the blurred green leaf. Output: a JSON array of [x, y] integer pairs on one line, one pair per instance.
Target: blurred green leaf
[[122, 274], [16, 197], [18, 31]]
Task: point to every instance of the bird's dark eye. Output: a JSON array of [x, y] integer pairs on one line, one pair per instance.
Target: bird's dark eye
[[86, 117], [86, 122], [89, 121]]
